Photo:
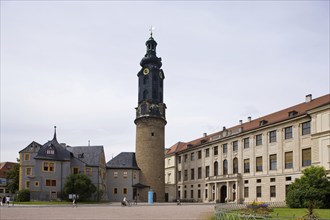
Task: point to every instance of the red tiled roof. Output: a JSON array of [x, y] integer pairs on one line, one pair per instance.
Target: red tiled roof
[[175, 148], [282, 115], [6, 166]]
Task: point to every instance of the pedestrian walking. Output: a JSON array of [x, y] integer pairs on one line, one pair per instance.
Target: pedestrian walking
[[7, 200], [74, 203], [135, 200], [3, 201]]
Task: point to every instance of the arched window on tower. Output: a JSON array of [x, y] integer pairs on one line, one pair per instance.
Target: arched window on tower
[[145, 94], [160, 97], [225, 167], [215, 168], [145, 79], [235, 165], [154, 94]]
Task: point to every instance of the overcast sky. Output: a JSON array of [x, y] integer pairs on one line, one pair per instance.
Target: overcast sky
[[74, 64]]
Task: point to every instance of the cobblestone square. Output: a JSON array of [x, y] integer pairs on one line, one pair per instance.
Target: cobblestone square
[[109, 211]]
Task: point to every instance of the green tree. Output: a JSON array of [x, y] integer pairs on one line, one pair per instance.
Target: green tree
[[310, 191], [12, 177], [79, 184]]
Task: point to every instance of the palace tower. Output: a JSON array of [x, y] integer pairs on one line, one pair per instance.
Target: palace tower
[[150, 124]]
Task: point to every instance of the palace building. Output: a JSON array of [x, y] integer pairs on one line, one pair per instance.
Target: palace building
[[255, 160]]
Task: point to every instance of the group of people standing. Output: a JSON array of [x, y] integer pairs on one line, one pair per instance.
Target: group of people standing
[[5, 200]]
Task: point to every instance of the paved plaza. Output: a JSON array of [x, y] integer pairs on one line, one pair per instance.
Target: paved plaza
[[109, 211]]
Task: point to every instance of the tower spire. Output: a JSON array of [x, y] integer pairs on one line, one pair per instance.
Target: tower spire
[[55, 133], [151, 29]]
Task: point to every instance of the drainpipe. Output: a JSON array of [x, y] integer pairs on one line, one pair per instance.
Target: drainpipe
[[98, 183], [61, 180], [132, 184], [176, 176]]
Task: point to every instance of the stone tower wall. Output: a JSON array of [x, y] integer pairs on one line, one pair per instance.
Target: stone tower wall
[[150, 132]]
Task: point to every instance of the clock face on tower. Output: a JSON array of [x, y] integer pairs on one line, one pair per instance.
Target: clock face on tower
[[145, 71]]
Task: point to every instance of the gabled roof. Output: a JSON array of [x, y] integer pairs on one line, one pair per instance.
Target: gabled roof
[[60, 152], [276, 117], [91, 155], [32, 145], [124, 160]]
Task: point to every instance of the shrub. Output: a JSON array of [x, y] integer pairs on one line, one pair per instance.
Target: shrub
[[311, 190], [79, 184], [23, 196]]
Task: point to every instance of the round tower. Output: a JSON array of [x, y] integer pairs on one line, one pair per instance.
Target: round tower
[[150, 125]]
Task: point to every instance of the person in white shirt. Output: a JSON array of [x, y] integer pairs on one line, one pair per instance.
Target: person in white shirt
[[7, 200], [124, 202]]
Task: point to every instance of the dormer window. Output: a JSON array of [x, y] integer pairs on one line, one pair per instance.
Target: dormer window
[[263, 122], [50, 151], [292, 113], [203, 141]]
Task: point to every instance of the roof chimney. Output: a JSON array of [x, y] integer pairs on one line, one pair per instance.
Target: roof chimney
[[204, 134], [224, 128], [240, 122], [249, 118], [308, 98]]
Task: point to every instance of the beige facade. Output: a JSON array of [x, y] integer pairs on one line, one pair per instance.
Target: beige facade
[[255, 160], [170, 179], [320, 136]]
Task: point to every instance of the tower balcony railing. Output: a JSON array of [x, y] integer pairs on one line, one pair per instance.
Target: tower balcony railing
[[234, 176], [147, 109]]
